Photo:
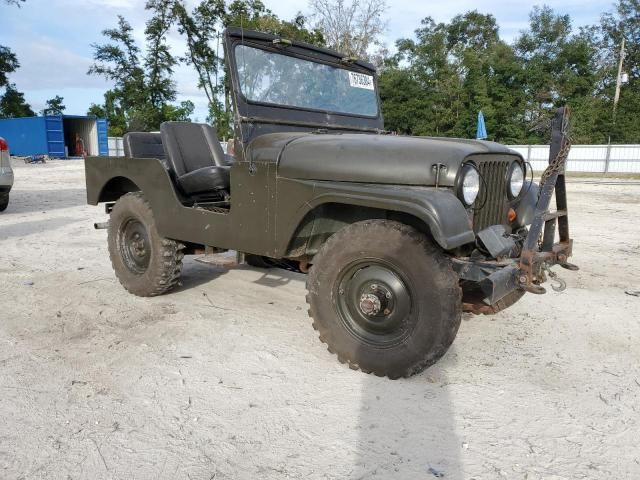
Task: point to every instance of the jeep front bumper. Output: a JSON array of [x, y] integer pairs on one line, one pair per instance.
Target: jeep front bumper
[[496, 279], [493, 280]]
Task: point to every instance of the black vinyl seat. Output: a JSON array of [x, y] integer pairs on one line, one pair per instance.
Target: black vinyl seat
[[144, 145], [196, 157]]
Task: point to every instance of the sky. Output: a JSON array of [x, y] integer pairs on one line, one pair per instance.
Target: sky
[[53, 38]]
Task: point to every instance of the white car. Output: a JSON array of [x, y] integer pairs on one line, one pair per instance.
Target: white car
[[6, 175]]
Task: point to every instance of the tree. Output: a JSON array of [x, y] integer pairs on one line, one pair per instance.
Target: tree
[[202, 30], [8, 60], [350, 26], [55, 106], [143, 86], [438, 82], [8, 64], [13, 104], [159, 61], [622, 23]]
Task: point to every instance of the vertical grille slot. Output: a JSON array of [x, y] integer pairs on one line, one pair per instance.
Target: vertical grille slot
[[492, 201]]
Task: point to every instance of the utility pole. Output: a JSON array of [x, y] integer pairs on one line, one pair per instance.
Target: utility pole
[[616, 98]]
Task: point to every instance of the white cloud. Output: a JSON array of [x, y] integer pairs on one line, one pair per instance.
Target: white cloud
[[45, 63]]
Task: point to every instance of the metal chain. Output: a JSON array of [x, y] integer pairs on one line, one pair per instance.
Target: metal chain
[[558, 164]]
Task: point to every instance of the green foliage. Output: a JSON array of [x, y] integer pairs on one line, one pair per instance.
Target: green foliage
[[143, 87], [438, 81], [55, 106], [13, 104], [622, 23], [8, 64], [202, 29], [253, 15]]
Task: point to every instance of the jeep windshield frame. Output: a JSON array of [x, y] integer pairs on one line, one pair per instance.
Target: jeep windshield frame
[[253, 117]]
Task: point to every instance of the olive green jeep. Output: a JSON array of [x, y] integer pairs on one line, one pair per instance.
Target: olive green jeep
[[398, 235]]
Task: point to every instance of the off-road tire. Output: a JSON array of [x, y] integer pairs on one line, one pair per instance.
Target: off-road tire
[[435, 299], [164, 263], [4, 202]]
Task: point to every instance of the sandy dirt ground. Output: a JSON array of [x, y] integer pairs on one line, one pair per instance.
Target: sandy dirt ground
[[225, 378]]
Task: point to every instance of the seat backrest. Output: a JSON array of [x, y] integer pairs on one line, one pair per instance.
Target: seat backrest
[[143, 145], [191, 146]]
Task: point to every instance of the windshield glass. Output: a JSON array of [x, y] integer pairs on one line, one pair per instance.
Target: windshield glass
[[282, 80]]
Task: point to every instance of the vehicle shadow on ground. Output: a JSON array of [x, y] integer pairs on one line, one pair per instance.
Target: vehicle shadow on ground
[[24, 229], [276, 277], [195, 273], [407, 427], [27, 201]]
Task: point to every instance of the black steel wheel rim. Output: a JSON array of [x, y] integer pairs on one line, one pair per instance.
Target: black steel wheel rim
[[135, 247], [374, 302]]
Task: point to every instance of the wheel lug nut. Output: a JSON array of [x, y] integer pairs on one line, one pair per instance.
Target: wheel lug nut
[[388, 295], [373, 286]]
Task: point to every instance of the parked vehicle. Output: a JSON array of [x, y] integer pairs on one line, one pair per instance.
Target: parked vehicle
[[397, 234], [6, 175]]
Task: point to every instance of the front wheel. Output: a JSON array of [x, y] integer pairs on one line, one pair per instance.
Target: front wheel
[[384, 298], [145, 263]]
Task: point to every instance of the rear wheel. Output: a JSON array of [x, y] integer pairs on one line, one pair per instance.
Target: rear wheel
[[145, 263], [4, 202], [384, 298]]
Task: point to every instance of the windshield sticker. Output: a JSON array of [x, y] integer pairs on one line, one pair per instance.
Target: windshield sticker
[[360, 80]]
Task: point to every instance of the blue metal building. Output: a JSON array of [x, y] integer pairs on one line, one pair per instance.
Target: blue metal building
[[55, 135]]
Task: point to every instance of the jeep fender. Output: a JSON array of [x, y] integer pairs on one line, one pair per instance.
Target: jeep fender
[[438, 209]]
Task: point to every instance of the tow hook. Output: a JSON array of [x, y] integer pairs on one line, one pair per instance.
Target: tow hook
[[555, 279], [557, 284]]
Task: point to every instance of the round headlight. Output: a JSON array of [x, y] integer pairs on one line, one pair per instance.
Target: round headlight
[[516, 180], [469, 184]]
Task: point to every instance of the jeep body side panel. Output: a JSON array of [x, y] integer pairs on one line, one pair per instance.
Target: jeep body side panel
[[245, 227]]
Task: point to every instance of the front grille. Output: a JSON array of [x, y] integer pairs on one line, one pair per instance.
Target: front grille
[[492, 206]]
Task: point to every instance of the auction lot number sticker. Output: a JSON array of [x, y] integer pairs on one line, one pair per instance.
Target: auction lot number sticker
[[360, 80]]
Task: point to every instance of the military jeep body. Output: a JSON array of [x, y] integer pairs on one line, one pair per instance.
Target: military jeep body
[[398, 235]]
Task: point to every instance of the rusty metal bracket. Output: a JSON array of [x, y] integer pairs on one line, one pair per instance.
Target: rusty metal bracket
[[539, 248]]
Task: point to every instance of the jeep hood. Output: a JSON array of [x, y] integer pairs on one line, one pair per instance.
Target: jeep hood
[[369, 158]]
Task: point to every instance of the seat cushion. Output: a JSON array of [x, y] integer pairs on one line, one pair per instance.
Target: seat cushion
[[207, 179], [143, 145]]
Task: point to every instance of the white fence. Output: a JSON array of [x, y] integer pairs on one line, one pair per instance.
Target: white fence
[[115, 147], [587, 158], [582, 158]]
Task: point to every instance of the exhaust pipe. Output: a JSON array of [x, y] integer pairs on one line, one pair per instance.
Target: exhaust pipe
[[101, 225]]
